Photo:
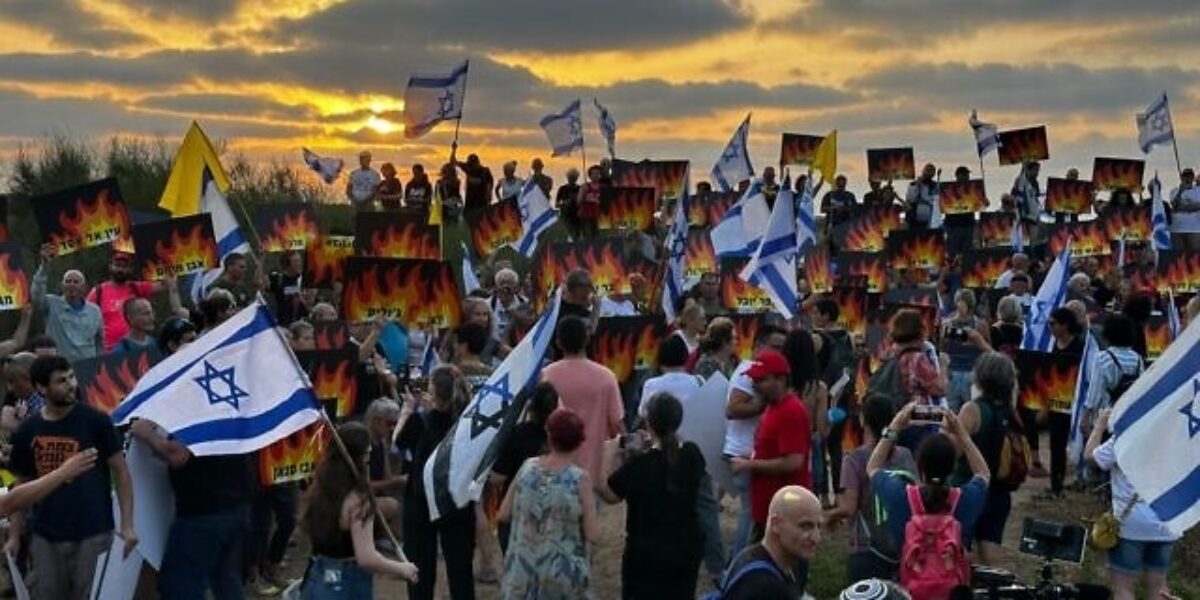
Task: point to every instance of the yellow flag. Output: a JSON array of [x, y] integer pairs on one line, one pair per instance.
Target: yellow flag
[[435, 206], [825, 158], [185, 186]]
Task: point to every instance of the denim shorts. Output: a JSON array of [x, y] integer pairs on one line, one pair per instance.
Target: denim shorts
[[1130, 557]]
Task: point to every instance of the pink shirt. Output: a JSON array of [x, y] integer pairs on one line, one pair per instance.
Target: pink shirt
[[111, 298], [591, 390]]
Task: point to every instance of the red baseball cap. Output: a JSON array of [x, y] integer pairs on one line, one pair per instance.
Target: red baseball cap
[[766, 363]]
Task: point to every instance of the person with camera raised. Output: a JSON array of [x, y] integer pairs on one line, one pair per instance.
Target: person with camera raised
[[964, 338]]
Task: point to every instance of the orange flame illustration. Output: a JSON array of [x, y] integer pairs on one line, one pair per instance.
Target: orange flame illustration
[[193, 251], [627, 208], [798, 149], [890, 164], [920, 249], [324, 258], [739, 295], [718, 205], [666, 176], [417, 293], [1158, 337], [964, 197], [336, 380], [852, 309], [1051, 384], [295, 457], [982, 270], [1145, 279], [1087, 239], [1113, 173], [331, 335], [92, 222], [409, 240], [861, 264], [1065, 196], [864, 234], [291, 231], [1020, 145], [888, 218], [624, 349], [14, 283], [1179, 271], [816, 270], [995, 230], [747, 327], [701, 258], [495, 227], [1133, 221], [113, 382]]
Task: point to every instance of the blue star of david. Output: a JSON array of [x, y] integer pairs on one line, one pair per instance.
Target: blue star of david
[[576, 127], [523, 207], [1160, 122], [1189, 410], [481, 422], [211, 375], [732, 151], [446, 103]]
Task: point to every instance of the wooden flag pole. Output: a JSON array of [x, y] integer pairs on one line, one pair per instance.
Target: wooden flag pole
[[1175, 146]]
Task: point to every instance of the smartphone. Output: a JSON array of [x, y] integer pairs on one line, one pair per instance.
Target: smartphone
[[632, 442], [927, 414]]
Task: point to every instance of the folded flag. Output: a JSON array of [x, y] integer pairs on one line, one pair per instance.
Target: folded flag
[[1161, 235], [429, 356], [1050, 296], [734, 164], [739, 231], [431, 99], [608, 127], [1083, 384], [987, 136], [536, 217], [806, 220], [470, 279], [675, 279], [212, 394], [1154, 125], [328, 168], [1173, 321], [564, 129], [456, 472]]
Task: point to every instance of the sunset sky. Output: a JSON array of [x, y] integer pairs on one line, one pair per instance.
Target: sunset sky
[[270, 76]]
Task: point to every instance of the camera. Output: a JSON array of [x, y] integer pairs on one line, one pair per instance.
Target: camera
[[926, 413], [1051, 541]]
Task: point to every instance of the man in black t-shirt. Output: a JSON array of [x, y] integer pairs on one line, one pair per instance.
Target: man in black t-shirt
[[287, 289], [777, 568], [73, 526], [479, 183]]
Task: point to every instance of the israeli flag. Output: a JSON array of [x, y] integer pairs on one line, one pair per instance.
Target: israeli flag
[[1083, 384], [1121, 250], [675, 280], [608, 127], [1018, 239], [806, 220], [328, 168], [458, 469], [740, 230], [536, 217], [734, 164], [1157, 430], [429, 356], [564, 129], [1154, 125], [225, 229], [987, 137], [431, 99], [1161, 235], [773, 266], [235, 390], [1050, 296], [470, 279], [1173, 321]]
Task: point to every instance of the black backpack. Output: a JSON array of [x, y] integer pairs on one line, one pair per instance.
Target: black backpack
[[886, 382]]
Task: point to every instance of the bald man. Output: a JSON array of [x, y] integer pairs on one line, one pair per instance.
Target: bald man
[[777, 568], [75, 325]]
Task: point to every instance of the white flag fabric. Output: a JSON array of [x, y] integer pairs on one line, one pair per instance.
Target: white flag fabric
[[987, 137], [1161, 235], [773, 266], [1173, 321], [1018, 239], [675, 278], [1156, 426], [431, 99], [1154, 125], [470, 279], [740, 230], [734, 164], [1121, 250], [806, 220], [1083, 384], [458, 468], [328, 168], [608, 127], [235, 390], [536, 217], [564, 129], [225, 229], [1050, 296], [429, 356]]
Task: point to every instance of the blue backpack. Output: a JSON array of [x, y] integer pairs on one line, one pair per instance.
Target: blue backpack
[[732, 577]]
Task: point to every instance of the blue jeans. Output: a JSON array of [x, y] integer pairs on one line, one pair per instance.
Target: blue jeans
[[336, 578], [204, 552], [708, 512], [1133, 558], [741, 488]]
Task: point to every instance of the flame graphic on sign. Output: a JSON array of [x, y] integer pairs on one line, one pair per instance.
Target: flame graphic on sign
[[666, 176], [1087, 239], [114, 381], [746, 327], [870, 266], [1158, 337], [964, 197], [798, 149], [816, 270], [622, 350], [1066, 196], [852, 309], [409, 240], [1052, 385], [627, 208], [1114, 173], [324, 259], [1144, 278], [888, 218], [14, 284], [336, 380], [293, 231], [495, 227], [295, 457], [1021, 145], [865, 234], [192, 251], [1133, 221], [330, 335], [701, 257], [995, 230], [925, 249], [1180, 271], [415, 293], [739, 295], [719, 204], [983, 270], [93, 222], [890, 164]]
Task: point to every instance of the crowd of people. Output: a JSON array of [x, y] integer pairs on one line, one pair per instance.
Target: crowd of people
[[927, 444]]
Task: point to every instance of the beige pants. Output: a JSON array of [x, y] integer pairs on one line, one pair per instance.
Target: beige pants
[[64, 570]]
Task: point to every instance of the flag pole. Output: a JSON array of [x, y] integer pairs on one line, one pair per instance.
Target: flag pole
[[1175, 146]]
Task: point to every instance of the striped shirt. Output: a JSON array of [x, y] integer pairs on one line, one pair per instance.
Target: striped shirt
[[1108, 374]]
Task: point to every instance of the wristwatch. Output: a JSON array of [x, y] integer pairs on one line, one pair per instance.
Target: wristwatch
[[890, 434]]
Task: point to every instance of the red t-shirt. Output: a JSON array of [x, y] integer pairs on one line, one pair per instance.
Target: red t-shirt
[[110, 297], [783, 430]]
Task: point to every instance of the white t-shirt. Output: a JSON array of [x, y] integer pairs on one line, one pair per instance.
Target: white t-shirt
[[680, 385], [1186, 222], [1142, 525], [739, 433], [363, 183]]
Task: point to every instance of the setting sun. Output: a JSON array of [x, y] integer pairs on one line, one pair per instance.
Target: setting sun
[[382, 125]]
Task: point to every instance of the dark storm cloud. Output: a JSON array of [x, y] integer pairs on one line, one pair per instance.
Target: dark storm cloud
[[66, 22], [226, 104]]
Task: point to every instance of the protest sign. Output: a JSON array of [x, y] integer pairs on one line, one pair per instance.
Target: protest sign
[[105, 380], [1117, 173], [286, 226], [1072, 197], [325, 258], [627, 208], [495, 226], [174, 247], [417, 293], [391, 234], [1046, 380], [85, 216], [627, 344], [891, 164], [1018, 146]]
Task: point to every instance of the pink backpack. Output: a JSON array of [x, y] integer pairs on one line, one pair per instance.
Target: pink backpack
[[933, 561]]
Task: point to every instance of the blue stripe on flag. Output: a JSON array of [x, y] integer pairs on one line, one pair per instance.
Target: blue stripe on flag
[[1178, 499], [1165, 384], [535, 229], [720, 177], [263, 321], [777, 245], [567, 148], [230, 242], [776, 283], [438, 82], [246, 428]]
